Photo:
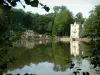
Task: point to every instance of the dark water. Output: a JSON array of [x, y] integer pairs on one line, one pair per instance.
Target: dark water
[[47, 58]]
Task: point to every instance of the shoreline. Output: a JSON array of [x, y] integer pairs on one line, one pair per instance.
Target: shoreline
[[68, 39]]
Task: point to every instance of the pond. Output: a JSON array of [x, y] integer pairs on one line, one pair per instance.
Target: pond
[[50, 58]]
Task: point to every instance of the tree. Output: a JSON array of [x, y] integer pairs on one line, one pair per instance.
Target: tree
[[62, 22], [79, 18], [92, 24], [12, 3], [63, 8], [56, 9]]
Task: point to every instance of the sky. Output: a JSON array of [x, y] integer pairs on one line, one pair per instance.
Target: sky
[[75, 6]]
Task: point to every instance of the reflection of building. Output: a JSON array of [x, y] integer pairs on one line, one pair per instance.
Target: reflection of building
[[75, 47], [25, 43], [76, 30], [30, 44]]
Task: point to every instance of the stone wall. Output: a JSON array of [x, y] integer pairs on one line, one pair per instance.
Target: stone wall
[[31, 34]]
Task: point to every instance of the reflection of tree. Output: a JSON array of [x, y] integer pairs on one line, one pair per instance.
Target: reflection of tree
[[87, 49], [94, 48], [79, 60], [56, 52], [59, 51], [56, 67], [6, 57]]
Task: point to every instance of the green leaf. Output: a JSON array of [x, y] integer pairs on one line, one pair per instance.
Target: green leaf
[[27, 2], [16, 0], [34, 3], [9, 1], [13, 3], [46, 8], [24, 6]]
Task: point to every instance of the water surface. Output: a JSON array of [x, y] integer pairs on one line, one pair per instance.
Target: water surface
[[48, 58]]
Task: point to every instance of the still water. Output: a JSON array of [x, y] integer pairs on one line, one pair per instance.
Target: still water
[[50, 58]]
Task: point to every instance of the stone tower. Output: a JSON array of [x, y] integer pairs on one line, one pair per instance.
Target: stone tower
[[76, 30]]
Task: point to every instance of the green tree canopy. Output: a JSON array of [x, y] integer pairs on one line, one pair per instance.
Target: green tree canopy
[[92, 24], [79, 18], [62, 21]]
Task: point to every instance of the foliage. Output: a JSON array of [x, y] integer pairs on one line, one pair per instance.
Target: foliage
[[92, 24], [9, 25], [56, 9], [62, 20], [52, 23], [10, 32], [19, 19], [43, 24], [12, 3], [79, 18]]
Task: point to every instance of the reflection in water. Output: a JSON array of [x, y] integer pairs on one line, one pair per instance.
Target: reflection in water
[[41, 58], [76, 48], [57, 54], [94, 48], [80, 51], [30, 43]]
